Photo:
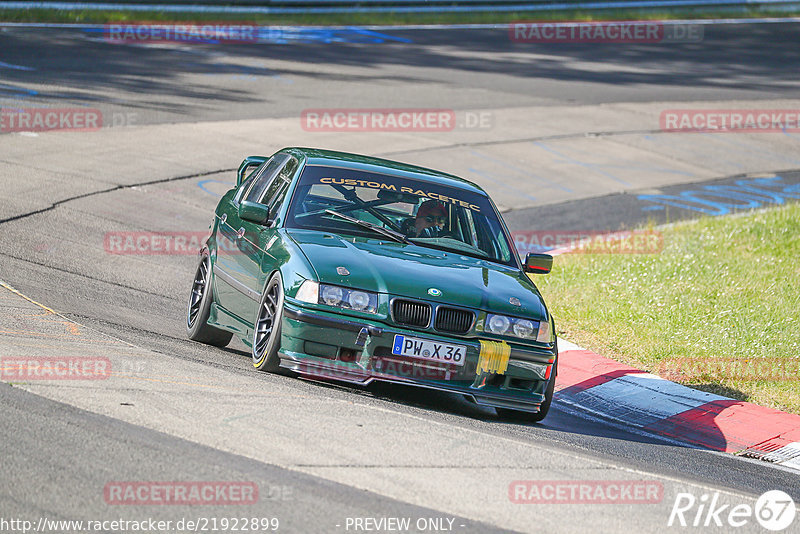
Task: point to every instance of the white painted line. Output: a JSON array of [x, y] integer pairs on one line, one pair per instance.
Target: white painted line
[[564, 345], [794, 463], [788, 455]]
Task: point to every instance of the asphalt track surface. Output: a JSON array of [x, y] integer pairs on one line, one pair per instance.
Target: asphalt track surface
[[461, 69], [320, 453]]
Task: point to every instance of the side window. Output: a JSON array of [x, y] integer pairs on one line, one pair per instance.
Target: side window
[[505, 254], [247, 183], [275, 194], [256, 190], [470, 229], [484, 235]]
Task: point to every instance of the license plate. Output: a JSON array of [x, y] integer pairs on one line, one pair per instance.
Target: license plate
[[414, 347]]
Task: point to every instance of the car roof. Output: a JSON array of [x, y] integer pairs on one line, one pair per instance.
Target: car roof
[[316, 156]]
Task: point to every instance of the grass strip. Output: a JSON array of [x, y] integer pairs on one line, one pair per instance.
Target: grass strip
[[718, 309]]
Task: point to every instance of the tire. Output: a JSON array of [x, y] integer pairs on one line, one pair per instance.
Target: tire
[[528, 417], [267, 331], [197, 327]]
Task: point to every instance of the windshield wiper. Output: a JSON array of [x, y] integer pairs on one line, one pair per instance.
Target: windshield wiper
[[396, 236], [462, 248]]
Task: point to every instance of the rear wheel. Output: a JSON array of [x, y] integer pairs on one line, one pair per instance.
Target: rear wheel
[[197, 327], [517, 415], [267, 335]]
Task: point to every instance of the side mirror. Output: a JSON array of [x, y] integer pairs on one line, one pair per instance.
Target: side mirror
[[538, 263], [254, 212], [249, 162]]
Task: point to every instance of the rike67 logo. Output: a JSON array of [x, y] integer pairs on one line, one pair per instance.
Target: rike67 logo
[[774, 510]]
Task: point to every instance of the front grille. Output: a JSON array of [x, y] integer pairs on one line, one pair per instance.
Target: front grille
[[453, 320], [411, 313]]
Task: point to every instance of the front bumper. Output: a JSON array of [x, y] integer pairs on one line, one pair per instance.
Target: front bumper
[[329, 346]]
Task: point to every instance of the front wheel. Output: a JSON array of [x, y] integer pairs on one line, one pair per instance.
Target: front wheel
[[528, 417], [267, 335], [197, 327]]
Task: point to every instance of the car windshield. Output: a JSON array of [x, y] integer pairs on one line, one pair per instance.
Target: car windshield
[[428, 214]]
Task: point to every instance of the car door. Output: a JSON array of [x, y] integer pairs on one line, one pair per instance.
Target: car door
[[238, 246], [274, 196]]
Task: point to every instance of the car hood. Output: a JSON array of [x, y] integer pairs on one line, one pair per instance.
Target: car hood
[[410, 270]]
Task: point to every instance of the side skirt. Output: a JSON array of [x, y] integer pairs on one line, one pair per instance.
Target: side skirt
[[222, 318]]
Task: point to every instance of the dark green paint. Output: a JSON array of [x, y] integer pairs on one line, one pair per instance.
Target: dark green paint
[[245, 252]]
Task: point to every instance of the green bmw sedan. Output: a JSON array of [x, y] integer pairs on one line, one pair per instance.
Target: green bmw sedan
[[345, 267]]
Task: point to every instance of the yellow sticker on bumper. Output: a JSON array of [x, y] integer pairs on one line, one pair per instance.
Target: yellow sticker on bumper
[[493, 357]]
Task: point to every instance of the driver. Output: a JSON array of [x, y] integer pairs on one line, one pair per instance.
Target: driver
[[431, 219]]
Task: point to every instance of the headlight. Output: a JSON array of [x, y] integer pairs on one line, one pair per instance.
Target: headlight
[[331, 295], [518, 327], [497, 324], [358, 300], [341, 297], [523, 328]]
